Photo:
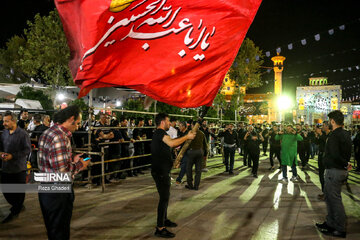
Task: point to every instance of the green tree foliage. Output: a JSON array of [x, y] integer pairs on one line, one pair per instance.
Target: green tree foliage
[[132, 104], [32, 94], [245, 71], [81, 104], [46, 53], [10, 71]]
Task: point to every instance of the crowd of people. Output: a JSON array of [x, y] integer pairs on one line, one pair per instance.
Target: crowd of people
[[330, 141], [25, 139]]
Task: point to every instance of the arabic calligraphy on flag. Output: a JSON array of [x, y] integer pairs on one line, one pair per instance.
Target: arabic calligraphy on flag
[[177, 52]]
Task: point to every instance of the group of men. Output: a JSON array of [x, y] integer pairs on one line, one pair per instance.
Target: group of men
[[55, 155], [18, 136], [131, 138], [334, 150]]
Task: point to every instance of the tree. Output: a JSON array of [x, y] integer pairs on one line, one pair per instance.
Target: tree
[[29, 93], [81, 104], [10, 71], [46, 53], [245, 71]]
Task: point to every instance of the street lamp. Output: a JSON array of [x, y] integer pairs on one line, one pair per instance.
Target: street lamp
[[118, 103], [283, 103], [60, 97]]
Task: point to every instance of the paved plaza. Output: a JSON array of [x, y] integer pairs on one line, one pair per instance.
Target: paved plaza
[[225, 207]]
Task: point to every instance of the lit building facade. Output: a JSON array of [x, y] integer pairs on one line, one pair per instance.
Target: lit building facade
[[259, 108], [315, 101]]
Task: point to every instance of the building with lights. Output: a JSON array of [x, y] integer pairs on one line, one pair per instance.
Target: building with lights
[[229, 87], [315, 101], [259, 108]]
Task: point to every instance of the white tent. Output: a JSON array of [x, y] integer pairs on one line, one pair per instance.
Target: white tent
[[3, 107], [29, 104]]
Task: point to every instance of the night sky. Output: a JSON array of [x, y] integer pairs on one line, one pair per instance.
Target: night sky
[[277, 24]]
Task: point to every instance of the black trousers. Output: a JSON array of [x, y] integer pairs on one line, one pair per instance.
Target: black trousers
[[246, 155], [304, 154], [334, 179], [254, 156], [229, 152], [357, 157], [274, 151], [321, 170], [194, 157], [57, 209], [139, 150], [162, 182], [16, 200], [265, 146]]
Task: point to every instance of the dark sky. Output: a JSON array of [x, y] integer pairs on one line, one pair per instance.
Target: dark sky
[[277, 23], [281, 22]]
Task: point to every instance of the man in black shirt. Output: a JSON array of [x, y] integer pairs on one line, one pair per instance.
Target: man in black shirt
[[241, 131], [247, 158], [230, 145], [336, 160], [125, 145], [149, 131], [139, 135], [254, 140], [34, 136], [102, 136], [161, 165], [115, 152], [321, 135], [24, 119], [303, 146], [15, 148], [265, 134], [275, 147]]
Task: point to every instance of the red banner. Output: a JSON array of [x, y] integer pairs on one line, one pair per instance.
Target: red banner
[[177, 52]]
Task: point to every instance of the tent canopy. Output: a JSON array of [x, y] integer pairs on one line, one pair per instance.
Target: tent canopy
[[29, 104]]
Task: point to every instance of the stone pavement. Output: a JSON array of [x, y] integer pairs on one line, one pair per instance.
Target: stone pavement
[[225, 207]]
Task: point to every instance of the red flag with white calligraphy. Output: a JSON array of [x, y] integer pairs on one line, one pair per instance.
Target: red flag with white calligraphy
[[177, 52]]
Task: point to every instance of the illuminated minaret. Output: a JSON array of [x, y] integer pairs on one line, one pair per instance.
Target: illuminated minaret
[[278, 68]]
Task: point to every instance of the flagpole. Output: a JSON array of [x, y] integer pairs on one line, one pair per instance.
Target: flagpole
[[186, 145]]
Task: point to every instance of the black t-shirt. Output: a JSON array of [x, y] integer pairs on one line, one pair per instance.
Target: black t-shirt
[[160, 153], [38, 131], [253, 145], [114, 149], [337, 149], [23, 123], [273, 142]]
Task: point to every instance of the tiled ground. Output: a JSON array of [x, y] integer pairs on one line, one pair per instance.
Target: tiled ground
[[225, 207]]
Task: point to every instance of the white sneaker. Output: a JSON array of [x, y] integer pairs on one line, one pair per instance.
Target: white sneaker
[[284, 180], [294, 179], [204, 170]]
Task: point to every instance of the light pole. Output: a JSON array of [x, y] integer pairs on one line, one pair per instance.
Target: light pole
[[283, 104]]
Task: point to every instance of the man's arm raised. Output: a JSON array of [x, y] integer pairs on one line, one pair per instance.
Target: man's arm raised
[[177, 141]]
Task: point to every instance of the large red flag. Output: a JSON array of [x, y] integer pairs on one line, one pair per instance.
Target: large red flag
[[177, 52]]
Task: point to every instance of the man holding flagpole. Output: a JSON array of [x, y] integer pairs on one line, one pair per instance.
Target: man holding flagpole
[[161, 165]]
